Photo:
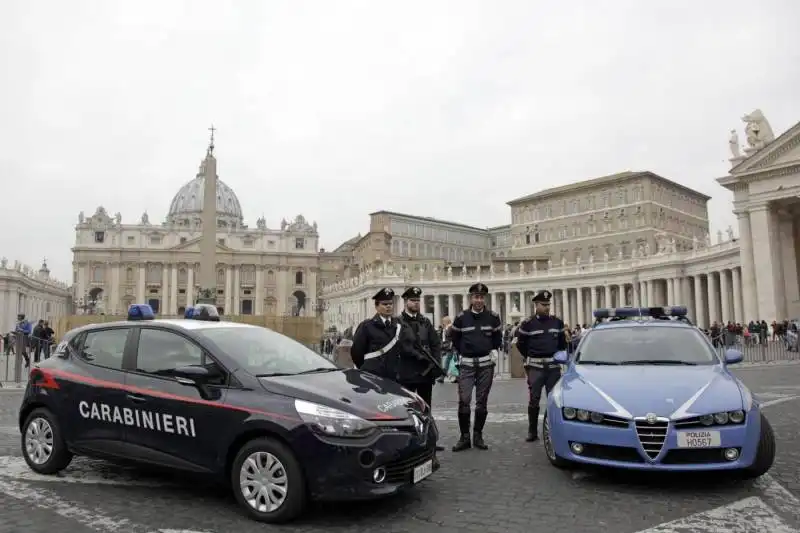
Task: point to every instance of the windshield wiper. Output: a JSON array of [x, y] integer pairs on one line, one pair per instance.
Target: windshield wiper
[[657, 362], [275, 374], [610, 363], [318, 370]]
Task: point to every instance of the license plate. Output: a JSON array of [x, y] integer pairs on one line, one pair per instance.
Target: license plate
[[699, 439], [422, 471]]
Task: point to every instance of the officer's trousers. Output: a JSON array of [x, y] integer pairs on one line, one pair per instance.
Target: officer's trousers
[[539, 378], [480, 378]]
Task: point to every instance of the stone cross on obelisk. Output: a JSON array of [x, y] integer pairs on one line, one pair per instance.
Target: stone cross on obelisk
[[208, 239]]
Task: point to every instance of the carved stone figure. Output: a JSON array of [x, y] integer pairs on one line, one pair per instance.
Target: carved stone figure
[[549, 264], [620, 255], [708, 240], [463, 271], [314, 226], [672, 245], [695, 243], [261, 223], [449, 272], [421, 273], [3, 262], [605, 257], [757, 129], [491, 271], [145, 218], [730, 233], [284, 224], [521, 268], [118, 219], [390, 269], [733, 142], [719, 236], [591, 258], [436, 273], [81, 217], [563, 261]]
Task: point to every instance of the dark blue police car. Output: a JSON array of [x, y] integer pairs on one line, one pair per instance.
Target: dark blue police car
[[278, 422]]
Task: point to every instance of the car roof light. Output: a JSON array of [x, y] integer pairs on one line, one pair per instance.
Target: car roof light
[[205, 312], [188, 312], [140, 312]]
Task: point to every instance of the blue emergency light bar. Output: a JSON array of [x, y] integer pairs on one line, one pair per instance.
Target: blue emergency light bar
[[631, 312], [140, 312], [205, 312]]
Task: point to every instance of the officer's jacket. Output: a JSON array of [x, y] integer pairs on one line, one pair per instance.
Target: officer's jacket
[[476, 334], [377, 348], [425, 337], [539, 337]]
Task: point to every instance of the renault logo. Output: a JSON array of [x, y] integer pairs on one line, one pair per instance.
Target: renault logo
[[419, 426], [651, 418]]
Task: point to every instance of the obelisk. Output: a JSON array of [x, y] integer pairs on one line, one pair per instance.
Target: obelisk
[[208, 239]]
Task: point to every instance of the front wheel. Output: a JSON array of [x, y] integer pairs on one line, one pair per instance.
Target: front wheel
[[43, 446], [765, 455], [268, 482], [549, 448]]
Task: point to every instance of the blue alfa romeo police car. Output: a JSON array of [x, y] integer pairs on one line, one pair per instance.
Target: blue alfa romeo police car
[[279, 423]]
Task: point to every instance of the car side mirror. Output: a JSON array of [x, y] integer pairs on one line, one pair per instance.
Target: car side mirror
[[191, 375], [733, 356], [562, 358]]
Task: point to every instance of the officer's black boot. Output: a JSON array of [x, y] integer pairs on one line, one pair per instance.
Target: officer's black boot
[[463, 425], [533, 424], [477, 435]]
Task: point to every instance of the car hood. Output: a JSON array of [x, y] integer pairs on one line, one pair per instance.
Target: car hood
[[675, 392], [350, 390]]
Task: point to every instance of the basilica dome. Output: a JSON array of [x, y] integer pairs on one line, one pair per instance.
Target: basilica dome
[[187, 204]]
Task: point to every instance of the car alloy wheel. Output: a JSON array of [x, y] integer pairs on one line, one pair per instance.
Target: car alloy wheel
[[548, 440], [39, 441], [263, 482]]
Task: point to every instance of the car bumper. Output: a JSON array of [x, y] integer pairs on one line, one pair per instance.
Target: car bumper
[[337, 470], [621, 448]]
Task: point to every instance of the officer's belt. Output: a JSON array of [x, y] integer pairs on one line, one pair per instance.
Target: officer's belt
[[378, 353], [539, 362], [538, 331], [484, 360]]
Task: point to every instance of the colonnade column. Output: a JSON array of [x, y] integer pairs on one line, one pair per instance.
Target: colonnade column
[[699, 302], [451, 306], [711, 289], [581, 318], [163, 307], [670, 291], [725, 297], [437, 309], [748, 285], [738, 316]]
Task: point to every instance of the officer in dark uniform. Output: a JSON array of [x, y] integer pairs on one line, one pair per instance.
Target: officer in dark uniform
[[539, 337], [379, 341], [417, 373], [477, 335]]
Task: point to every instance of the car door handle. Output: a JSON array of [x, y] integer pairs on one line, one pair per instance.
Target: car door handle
[[185, 381], [136, 398]]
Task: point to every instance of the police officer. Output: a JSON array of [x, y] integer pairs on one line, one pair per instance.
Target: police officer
[[539, 337], [477, 335], [379, 341], [417, 373]]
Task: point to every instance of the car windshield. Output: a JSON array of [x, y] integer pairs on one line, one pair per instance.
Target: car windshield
[[644, 345], [264, 353]]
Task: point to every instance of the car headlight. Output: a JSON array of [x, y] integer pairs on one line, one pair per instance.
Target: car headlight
[[570, 413], [558, 395], [333, 422], [723, 417]]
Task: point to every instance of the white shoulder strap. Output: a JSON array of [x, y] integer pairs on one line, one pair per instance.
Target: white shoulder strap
[[388, 347]]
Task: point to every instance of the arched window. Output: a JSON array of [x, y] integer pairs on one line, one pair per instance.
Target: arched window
[[298, 278]]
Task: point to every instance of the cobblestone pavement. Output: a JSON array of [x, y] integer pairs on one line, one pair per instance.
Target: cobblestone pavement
[[510, 488]]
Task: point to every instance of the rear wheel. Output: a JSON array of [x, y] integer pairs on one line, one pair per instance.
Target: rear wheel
[[43, 446], [268, 482], [765, 455], [549, 448]]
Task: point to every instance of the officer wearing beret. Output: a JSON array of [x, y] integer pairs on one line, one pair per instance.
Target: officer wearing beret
[[539, 338], [379, 341], [477, 335]]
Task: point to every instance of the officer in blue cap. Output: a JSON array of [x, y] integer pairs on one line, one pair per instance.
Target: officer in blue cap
[[539, 338]]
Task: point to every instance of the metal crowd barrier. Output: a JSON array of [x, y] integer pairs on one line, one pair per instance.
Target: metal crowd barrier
[[755, 349], [13, 367]]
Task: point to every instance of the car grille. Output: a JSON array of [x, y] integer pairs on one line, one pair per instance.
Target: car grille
[[652, 436], [401, 470]]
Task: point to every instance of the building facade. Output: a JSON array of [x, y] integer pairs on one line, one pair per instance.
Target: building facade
[[33, 293], [261, 270], [633, 238]]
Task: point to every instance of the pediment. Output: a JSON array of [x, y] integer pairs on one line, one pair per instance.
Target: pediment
[[194, 246], [782, 151]]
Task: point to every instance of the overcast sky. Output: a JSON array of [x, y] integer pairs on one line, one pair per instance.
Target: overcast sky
[[335, 109]]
